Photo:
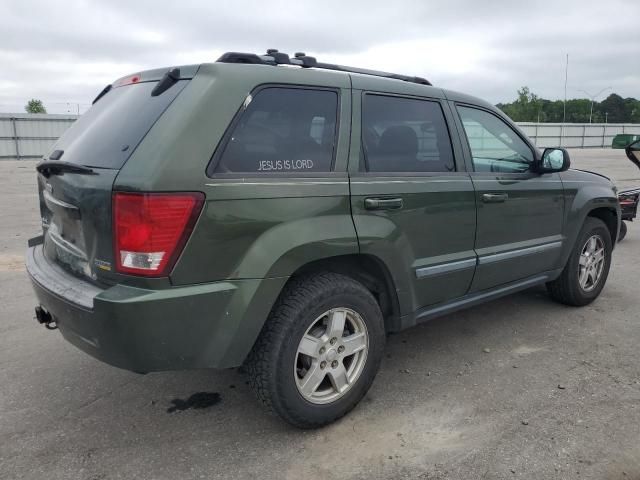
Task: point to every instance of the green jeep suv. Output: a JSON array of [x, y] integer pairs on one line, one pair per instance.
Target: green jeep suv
[[286, 214]]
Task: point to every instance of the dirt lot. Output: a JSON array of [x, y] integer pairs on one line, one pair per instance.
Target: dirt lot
[[518, 388]]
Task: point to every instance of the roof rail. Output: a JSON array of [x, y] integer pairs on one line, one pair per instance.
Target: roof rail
[[274, 57]]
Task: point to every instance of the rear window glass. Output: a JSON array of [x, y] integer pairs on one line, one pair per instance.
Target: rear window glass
[[107, 134], [283, 130], [405, 135]]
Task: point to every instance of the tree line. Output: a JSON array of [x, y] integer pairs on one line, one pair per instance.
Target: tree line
[[528, 107]]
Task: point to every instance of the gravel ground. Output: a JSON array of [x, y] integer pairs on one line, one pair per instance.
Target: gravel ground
[[518, 388]]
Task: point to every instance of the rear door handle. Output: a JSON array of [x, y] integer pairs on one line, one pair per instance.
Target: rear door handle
[[494, 197], [383, 203]]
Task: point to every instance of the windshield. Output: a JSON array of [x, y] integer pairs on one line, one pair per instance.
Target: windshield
[[112, 128]]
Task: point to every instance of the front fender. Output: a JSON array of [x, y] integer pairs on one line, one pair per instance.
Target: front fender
[[584, 193]]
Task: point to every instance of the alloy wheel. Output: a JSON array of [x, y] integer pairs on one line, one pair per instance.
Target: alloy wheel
[[591, 263], [331, 355]]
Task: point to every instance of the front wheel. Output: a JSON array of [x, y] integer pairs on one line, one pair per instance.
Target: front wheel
[[319, 350], [587, 269]]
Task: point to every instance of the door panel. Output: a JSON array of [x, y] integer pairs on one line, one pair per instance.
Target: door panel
[[520, 212], [429, 240], [520, 236], [420, 223]]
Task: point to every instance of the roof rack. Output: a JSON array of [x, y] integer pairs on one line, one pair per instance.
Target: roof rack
[[274, 57]]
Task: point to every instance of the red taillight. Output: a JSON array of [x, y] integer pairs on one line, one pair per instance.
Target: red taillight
[[150, 229]]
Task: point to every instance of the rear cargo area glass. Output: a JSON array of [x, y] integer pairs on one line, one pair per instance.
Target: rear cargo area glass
[[107, 134]]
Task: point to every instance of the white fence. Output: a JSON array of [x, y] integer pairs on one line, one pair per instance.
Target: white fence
[[576, 135], [30, 136]]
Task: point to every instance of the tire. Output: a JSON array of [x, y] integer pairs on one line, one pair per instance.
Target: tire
[[623, 231], [280, 372], [568, 288]]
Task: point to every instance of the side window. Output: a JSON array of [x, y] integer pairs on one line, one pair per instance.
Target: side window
[[495, 147], [405, 135], [283, 130]]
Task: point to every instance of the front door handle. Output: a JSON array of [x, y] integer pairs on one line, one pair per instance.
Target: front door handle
[[494, 197], [383, 203]]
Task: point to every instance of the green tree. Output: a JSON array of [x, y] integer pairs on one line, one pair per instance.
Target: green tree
[[632, 110], [35, 106], [528, 107], [612, 108]]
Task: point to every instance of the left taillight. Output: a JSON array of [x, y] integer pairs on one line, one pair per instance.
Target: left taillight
[[151, 229]]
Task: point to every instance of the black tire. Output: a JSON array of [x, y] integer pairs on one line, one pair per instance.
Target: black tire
[[623, 231], [566, 288], [271, 363]]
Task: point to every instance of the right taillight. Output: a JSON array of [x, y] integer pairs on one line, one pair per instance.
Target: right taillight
[[151, 229]]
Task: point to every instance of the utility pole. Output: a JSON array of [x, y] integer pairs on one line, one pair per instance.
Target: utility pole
[[593, 98], [564, 105], [566, 76]]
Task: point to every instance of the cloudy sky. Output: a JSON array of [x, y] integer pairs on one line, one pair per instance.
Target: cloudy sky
[[66, 52]]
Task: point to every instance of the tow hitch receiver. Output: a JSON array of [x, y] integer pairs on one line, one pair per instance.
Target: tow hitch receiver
[[45, 318]]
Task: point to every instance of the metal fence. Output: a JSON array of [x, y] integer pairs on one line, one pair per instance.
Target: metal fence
[[30, 136], [576, 135]]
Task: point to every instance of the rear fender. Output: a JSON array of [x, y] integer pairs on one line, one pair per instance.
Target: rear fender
[[283, 249]]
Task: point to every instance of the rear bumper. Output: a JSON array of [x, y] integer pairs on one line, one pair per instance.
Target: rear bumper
[[211, 325]]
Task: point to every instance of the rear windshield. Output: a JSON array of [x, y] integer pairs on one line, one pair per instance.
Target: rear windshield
[[107, 134]]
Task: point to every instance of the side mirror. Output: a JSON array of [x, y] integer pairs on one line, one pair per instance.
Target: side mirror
[[554, 160], [633, 152]]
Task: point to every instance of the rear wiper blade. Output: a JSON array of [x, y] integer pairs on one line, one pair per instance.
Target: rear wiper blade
[[57, 167]]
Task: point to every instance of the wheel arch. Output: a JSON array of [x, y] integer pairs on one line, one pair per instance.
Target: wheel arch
[[589, 202], [368, 270], [610, 218]]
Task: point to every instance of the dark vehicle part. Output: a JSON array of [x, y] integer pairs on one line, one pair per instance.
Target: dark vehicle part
[[167, 81], [623, 231], [629, 203], [56, 167], [274, 57], [630, 198], [44, 318]]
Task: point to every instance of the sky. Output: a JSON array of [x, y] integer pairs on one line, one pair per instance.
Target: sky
[[64, 53]]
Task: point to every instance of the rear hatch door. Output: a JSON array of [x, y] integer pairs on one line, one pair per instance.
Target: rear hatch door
[[76, 178]]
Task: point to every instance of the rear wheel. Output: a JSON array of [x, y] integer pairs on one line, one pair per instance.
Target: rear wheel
[[319, 351], [587, 269]]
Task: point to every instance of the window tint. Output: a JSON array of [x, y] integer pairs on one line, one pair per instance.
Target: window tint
[[108, 133], [283, 130], [495, 147], [405, 135]]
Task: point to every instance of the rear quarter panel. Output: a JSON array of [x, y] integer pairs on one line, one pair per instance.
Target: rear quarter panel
[[252, 226]]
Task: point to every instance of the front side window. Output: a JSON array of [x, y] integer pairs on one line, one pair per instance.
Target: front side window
[[405, 135], [495, 147], [286, 130]]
